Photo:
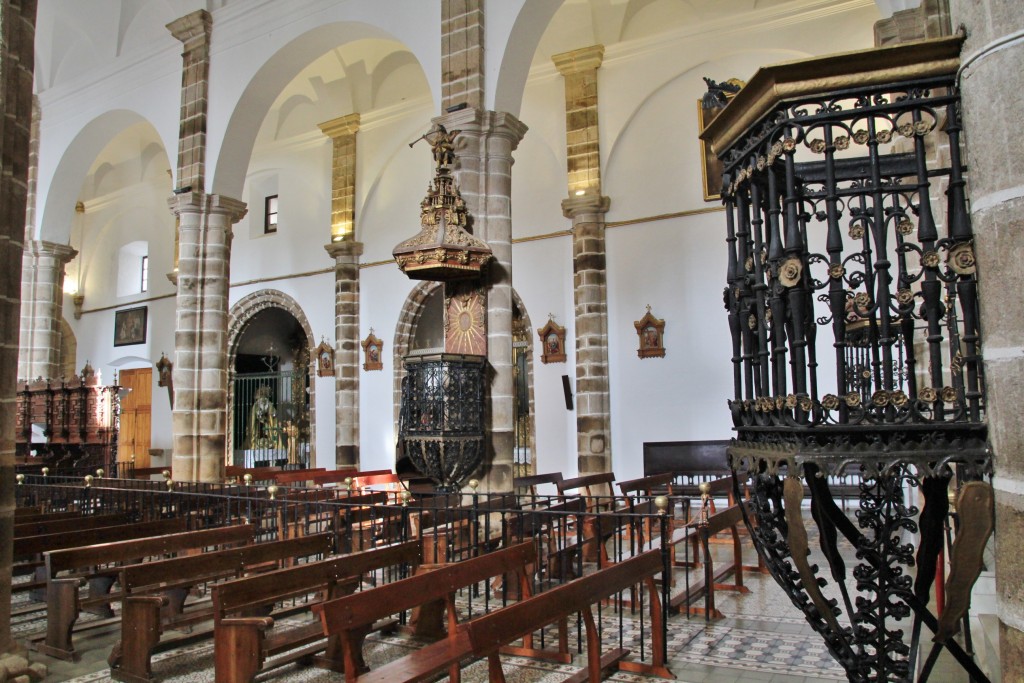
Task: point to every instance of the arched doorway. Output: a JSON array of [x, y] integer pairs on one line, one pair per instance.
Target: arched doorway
[[270, 393]]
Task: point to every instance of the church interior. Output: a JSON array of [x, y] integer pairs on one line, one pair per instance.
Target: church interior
[[526, 340]]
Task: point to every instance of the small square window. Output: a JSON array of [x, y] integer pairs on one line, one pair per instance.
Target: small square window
[[270, 215], [145, 274]]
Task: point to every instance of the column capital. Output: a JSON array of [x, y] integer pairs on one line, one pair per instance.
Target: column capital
[[345, 251], [574, 207], [484, 121], [343, 125], [198, 202], [576, 61], [61, 252], [193, 29]]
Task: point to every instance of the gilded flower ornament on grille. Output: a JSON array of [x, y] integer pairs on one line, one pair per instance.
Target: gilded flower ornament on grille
[[961, 259], [884, 136], [898, 398], [857, 232], [880, 398], [789, 272], [949, 395], [842, 142], [930, 259], [817, 146], [904, 227], [791, 401], [830, 402], [928, 394], [836, 271], [861, 137], [852, 399], [904, 297]]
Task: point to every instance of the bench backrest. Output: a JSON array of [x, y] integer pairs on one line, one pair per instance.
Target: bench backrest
[[339, 476], [293, 476], [150, 546], [263, 589], [647, 486], [34, 545], [490, 631], [136, 577], [368, 606], [686, 457], [531, 482], [55, 526], [596, 489]]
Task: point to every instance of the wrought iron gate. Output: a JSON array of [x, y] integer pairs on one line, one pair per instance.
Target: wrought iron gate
[[271, 419]]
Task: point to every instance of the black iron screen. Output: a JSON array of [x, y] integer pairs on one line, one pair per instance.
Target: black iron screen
[[441, 423], [852, 301]]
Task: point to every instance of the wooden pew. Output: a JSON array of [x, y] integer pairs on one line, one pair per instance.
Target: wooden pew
[[243, 642], [100, 564], [528, 485], [154, 594], [306, 516], [553, 528], [29, 550], [72, 524], [147, 472], [450, 528], [27, 511], [486, 635], [596, 491], [350, 617], [48, 516], [292, 477], [339, 476], [714, 576]]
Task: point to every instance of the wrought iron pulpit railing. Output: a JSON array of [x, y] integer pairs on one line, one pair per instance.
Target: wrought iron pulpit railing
[[853, 305]]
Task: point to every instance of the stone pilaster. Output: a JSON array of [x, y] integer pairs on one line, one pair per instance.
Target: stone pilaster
[[342, 132], [462, 53], [992, 90], [33, 171], [484, 173], [42, 298], [590, 299], [193, 30], [346, 360], [200, 339], [583, 152], [17, 36], [587, 209], [930, 19]]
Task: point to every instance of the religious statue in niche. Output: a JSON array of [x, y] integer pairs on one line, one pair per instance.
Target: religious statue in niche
[[552, 342], [373, 352], [651, 331], [263, 427], [324, 359]]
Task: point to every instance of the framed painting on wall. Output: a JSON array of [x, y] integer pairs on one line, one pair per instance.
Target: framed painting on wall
[[552, 342], [130, 326]]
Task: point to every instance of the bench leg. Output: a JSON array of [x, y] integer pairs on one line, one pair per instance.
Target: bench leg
[[237, 650], [140, 633], [495, 674], [174, 605], [99, 587], [38, 576], [61, 615]]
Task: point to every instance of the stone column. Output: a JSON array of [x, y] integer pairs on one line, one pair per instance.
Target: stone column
[[17, 36], [42, 300], [586, 207], [462, 53], [193, 30], [484, 174], [346, 252], [346, 360], [200, 417], [992, 89]]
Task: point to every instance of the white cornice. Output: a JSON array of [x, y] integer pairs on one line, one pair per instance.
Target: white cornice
[[156, 186]]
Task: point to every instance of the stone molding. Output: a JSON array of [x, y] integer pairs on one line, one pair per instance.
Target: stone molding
[[193, 29], [581, 206], [577, 61], [341, 126]]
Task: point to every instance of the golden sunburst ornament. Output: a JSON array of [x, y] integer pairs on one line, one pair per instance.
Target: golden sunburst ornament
[[466, 330]]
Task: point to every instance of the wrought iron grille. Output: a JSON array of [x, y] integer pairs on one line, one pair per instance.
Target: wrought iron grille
[[271, 419], [852, 300], [441, 423]]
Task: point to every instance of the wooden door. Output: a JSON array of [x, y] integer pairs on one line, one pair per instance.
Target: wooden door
[[136, 415]]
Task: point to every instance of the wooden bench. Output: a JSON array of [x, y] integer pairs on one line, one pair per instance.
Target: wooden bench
[[154, 595], [147, 472], [485, 636], [451, 528], [28, 550], [245, 637], [100, 565], [339, 476], [77, 523], [350, 617], [596, 491], [528, 485], [553, 528], [291, 477], [714, 575]]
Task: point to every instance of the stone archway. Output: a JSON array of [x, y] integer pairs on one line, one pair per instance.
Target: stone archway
[[238, 317]]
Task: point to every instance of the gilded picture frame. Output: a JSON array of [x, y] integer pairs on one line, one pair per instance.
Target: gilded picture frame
[[552, 343], [373, 353], [324, 359], [651, 333], [130, 326]]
